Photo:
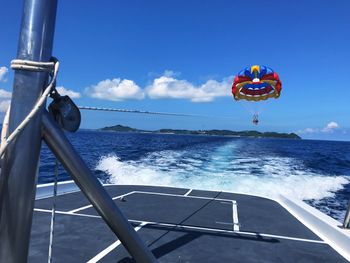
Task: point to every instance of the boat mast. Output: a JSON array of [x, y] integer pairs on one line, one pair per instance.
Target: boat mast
[[19, 169], [18, 177]]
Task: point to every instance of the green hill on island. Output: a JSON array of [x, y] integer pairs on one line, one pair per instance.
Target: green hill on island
[[120, 128], [256, 134]]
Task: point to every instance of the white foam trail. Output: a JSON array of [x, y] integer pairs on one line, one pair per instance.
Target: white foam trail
[[268, 176]]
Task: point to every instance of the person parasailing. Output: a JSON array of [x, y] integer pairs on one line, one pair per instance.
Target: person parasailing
[[255, 119], [256, 83]]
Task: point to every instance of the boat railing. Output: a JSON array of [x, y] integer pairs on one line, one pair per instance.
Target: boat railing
[[346, 223]]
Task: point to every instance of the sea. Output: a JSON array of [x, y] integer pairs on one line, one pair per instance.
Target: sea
[[317, 172]]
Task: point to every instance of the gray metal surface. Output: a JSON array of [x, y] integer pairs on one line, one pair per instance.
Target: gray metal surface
[[19, 169], [178, 225], [93, 190]]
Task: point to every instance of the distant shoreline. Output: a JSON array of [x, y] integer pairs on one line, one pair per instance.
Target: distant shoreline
[[228, 133]]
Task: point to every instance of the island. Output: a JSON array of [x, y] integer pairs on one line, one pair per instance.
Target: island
[[255, 134]]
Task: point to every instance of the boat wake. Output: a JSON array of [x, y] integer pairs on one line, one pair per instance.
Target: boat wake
[[225, 170]]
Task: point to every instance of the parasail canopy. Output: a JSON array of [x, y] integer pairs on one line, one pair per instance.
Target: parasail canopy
[[256, 83]]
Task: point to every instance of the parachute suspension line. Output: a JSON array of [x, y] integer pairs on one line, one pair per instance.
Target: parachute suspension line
[[262, 106], [53, 215], [52, 69], [251, 109], [247, 106]]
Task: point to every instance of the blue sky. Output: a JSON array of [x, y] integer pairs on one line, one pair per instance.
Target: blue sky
[[180, 56]]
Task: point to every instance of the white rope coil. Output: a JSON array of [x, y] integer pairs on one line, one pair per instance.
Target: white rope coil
[[18, 64]]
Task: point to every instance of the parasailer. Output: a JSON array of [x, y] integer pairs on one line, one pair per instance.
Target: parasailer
[[256, 83], [255, 119]]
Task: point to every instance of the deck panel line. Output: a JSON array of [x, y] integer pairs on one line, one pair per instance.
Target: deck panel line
[[235, 216], [111, 247], [154, 193], [88, 206], [232, 232], [183, 196], [217, 230], [188, 192]]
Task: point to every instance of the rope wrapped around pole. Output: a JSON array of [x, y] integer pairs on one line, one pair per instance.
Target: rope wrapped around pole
[[19, 64]]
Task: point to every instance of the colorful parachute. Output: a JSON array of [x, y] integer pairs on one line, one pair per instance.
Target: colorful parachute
[[256, 83]]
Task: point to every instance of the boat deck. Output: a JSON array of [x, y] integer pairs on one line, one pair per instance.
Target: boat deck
[[178, 225]]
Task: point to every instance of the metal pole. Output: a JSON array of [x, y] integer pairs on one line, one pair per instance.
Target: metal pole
[[19, 169], [94, 191], [346, 223]]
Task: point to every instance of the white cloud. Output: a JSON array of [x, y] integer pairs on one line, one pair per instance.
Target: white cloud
[[115, 90], [171, 73], [5, 94], [167, 86], [308, 130], [4, 105], [5, 101], [71, 93], [330, 127], [3, 73]]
